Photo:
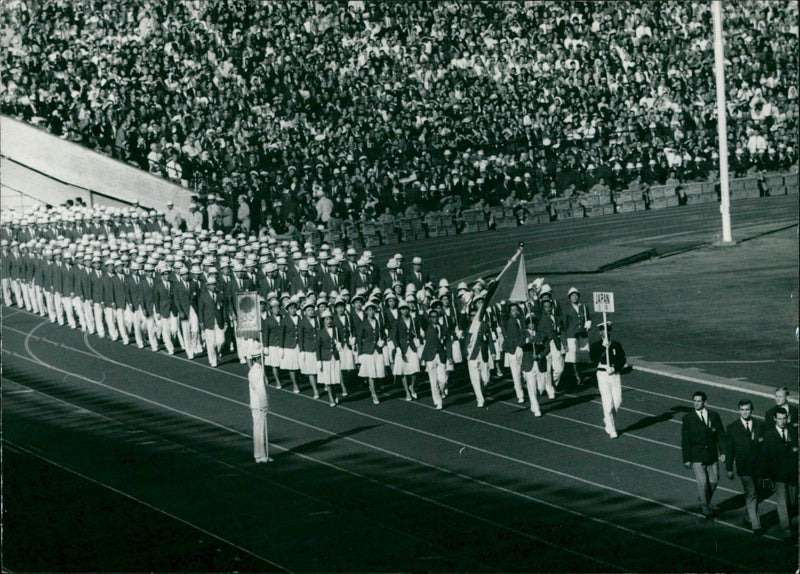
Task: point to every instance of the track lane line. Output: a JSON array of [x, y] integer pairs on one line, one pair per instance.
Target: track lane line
[[431, 435], [245, 471], [146, 504], [446, 471], [485, 520]]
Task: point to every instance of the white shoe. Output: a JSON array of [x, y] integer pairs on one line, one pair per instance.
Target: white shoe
[[537, 413], [480, 404], [520, 400], [613, 434], [438, 407]]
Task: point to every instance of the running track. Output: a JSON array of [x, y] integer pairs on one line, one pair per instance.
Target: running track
[[398, 486]]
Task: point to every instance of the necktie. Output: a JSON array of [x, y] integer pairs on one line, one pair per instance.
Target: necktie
[[704, 417], [785, 436]]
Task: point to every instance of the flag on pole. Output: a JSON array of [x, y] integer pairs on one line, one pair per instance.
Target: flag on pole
[[510, 285]]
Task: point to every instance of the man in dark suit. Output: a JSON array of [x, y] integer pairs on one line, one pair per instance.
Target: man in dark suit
[[782, 402], [417, 276], [778, 465], [514, 337], [741, 447], [702, 443]]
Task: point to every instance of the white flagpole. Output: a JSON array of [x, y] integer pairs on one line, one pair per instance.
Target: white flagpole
[[722, 123]]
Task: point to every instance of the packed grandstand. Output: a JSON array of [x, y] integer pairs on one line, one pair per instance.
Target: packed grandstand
[[405, 105]]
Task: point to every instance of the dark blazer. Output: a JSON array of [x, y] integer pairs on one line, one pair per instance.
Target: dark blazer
[[120, 291], [134, 284], [418, 282], [403, 335], [552, 329], [436, 337], [304, 283], [574, 320], [148, 297], [742, 447], [211, 309], [307, 332], [778, 458], [597, 353], [699, 442], [367, 337], [162, 298], [182, 298], [290, 329], [333, 282], [513, 335], [769, 416], [272, 328], [326, 344]]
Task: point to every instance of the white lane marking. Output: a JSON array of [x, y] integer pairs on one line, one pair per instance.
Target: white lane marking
[[222, 462], [731, 362], [39, 362], [668, 374], [400, 425], [486, 451], [147, 504]]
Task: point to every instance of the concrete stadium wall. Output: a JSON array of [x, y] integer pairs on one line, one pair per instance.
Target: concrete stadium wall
[[75, 165]]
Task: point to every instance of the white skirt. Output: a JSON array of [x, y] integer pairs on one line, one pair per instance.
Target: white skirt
[[372, 366], [308, 363], [330, 372], [249, 347], [347, 359], [577, 350], [291, 359], [407, 366], [388, 351], [273, 358]]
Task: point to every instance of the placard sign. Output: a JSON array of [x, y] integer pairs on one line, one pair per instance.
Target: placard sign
[[603, 302]]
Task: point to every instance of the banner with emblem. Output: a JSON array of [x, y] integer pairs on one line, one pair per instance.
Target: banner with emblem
[[248, 315]]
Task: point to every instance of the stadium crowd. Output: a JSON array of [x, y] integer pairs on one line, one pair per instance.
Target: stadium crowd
[[404, 105], [328, 316]]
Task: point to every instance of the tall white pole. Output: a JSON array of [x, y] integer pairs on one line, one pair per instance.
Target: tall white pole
[[722, 123]]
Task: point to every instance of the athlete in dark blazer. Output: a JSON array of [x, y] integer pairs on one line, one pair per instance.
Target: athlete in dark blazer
[[702, 443]]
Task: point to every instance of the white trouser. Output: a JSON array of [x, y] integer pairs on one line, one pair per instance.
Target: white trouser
[[111, 323], [152, 326], [58, 307], [69, 314], [555, 363], [49, 305], [259, 433], [437, 375], [88, 315], [122, 326], [478, 377], [5, 282], [194, 330], [19, 295], [185, 337], [166, 335], [530, 383], [215, 338], [98, 320], [41, 304], [516, 374], [139, 321], [544, 381], [610, 387]]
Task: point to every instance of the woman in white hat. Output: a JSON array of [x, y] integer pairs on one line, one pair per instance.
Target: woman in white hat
[[347, 339], [272, 327], [328, 355], [290, 350], [577, 323], [406, 335], [307, 333], [370, 343]]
